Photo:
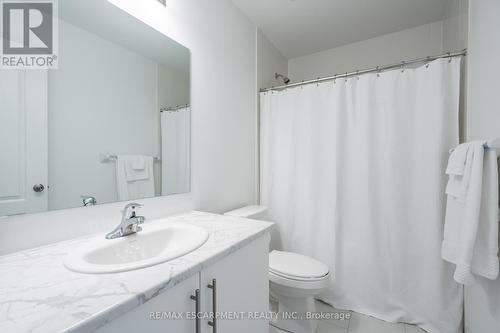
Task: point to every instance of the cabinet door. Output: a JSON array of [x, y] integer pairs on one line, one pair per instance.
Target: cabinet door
[[242, 286], [150, 318]]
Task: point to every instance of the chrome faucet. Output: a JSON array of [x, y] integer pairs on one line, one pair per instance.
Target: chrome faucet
[[130, 222], [88, 200]]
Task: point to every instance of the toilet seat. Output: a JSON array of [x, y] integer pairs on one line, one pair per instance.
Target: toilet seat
[[297, 271], [296, 266], [291, 277], [311, 284]]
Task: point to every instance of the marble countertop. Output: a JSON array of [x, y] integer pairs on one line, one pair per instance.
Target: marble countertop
[[38, 294]]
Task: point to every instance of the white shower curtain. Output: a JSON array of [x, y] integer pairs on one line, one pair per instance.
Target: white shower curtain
[[175, 151], [353, 174]]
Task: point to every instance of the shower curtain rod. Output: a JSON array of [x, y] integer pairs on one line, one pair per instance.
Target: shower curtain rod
[[174, 108], [378, 69]]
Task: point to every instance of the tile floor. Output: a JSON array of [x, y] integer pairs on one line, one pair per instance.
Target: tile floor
[[359, 323]]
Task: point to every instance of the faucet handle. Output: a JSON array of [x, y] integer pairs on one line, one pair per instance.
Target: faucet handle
[[133, 205], [129, 210], [88, 200]]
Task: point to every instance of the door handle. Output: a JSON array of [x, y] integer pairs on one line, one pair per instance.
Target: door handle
[[213, 322], [38, 188], [196, 299]]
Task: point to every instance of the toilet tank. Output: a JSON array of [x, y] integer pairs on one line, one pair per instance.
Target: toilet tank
[[250, 212]]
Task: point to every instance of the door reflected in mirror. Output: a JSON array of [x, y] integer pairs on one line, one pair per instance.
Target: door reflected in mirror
[[111, 123]]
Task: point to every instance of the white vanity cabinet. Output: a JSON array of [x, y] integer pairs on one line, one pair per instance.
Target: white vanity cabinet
[[175, 300], [241, 287]]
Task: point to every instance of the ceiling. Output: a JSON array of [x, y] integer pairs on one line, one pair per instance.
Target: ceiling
[[300, 27]]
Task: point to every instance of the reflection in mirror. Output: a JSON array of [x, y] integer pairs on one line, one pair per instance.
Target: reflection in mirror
[[111, 123]]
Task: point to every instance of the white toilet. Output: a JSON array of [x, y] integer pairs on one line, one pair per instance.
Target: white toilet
[[294, 281]]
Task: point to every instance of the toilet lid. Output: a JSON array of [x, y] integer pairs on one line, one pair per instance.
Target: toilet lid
[[296, 265]]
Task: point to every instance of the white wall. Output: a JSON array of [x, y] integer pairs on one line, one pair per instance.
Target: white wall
[[102, 98], [391, 48], [222, 44], [455, 25], [482, 309], [269, 61], [484, 69], [223, 82], [455, 38]]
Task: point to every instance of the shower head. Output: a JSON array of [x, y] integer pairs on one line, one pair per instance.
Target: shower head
[[285, 79]]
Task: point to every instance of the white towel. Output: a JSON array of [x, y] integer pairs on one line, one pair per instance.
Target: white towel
[[485, 261], [459, 170], [135, 167], [456, 162], [471, 223], [132, 183], [138, 162]]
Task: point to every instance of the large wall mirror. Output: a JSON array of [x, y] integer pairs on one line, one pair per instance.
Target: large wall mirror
[[111, 123]]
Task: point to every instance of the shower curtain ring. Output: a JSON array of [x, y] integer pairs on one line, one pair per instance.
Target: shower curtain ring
[[335, 79], [403, 64], [427, 62], [317, 82], [357, 74], [449, 57], [302, 84], [345, 77], [378, 71]]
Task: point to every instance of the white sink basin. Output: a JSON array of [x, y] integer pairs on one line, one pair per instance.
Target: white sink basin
[[155, 244]]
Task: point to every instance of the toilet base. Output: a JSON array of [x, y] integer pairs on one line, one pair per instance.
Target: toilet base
[[292, 315], [293, 288], [273, 329]]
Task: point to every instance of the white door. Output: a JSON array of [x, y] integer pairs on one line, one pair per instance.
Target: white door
[[23, 141], [242, 287]]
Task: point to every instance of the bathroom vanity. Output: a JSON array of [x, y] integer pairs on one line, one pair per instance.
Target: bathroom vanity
[[227, 275]]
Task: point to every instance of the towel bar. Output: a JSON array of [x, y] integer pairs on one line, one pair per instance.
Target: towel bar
[[490, 144], [107, 158]]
